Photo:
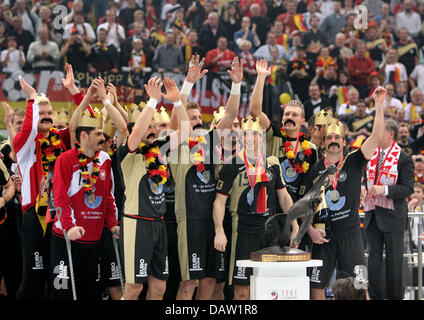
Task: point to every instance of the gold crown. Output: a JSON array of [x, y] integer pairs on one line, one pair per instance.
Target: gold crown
[[161, 116], [61, 116], [108, 127], [134, 111], [251, 124], [87, 120], [335, 126], [324, 117], [217, 116]]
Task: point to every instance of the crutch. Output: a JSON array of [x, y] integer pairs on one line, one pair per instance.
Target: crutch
[[68, 248], [118, 259]]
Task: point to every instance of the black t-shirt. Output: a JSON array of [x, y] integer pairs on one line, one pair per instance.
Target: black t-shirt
[[142, 196], [104, 60], [234, 182], [343, 214], [169, 189], [195, 190]]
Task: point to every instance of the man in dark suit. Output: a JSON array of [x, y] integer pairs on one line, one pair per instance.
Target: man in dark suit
[[390, 181], [211, 31]]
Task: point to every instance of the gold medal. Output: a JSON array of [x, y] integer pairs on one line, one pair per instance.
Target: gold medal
[[290, 172], [334, 195]]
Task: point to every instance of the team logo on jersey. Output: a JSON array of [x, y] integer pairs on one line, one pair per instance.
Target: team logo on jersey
[[337, 205], [342, 176], [219, 184], [289, 174], [204, 176], [102, 175], [270, 175], [92, 204], [155, 188]]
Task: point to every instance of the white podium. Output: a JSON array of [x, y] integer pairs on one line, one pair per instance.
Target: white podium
[[279, 280]]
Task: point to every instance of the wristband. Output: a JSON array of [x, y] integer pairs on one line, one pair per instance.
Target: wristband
[[178, 103], [235, 88], [186, 88], [152, 103], [106, 102]]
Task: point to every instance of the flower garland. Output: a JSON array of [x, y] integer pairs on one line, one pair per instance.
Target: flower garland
[[198, 157], [155, 168], [298, 166], [88, 180], [51, 148]]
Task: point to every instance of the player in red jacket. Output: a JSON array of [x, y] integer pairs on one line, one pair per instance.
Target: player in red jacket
[[84, 191]]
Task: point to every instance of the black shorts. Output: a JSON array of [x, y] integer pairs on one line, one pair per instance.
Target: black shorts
[[246, 243], [348, 253], [223, 276], [145, 249], [197, 255], [173, 262], [109, 268]]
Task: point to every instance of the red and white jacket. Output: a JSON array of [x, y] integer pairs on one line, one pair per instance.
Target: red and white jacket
[[69, 195], [28, 155]]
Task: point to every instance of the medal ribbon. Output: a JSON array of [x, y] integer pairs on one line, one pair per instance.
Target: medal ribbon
[[261, 205], [332, 180]]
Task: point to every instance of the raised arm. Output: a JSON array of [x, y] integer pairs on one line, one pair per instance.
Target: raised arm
[[256, 99], [233, 102], [115, 102], [144, 119], [378, 129], [220, 240]]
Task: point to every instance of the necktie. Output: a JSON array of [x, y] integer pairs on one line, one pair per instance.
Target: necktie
[[380, 162]]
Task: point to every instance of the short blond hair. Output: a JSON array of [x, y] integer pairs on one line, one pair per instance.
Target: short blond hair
[[42, 99]]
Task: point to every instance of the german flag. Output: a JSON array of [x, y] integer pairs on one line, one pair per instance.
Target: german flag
[[272, 79], [298, 21]]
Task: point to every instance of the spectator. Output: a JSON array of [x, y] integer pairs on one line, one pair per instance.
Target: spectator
[[291, 20], [399, 115], [407, 51], [157, 36], [401, 92], [340, 52], [316, 102], [264, 51], [375, 79], [231, 20], [249, 63], [23, 37], [324, 62], [3, 39], [300, 72], [385, 15], [138, 61], [77, 7], [416, 79], [409, 19], [334, 22], [415, 107], [43, 54], [416, 204], [338, 92], [192, 47], [150, 13], [312, 10], [30, 21], [12, 59], [391, 104], [326, 7], [103, 57], [246, 7], [282, 38], [126, 15], [349, 106], [211, 31], [376, 46], [127, 46], [345, 289], [314, 39], [219, 59], [404, 138], [263, 24], [80, 27], [359, 67], [275, 8], [168, 10], [393, 70], [76, 51], [348, 7], [168, 57], [247, 33], [197, 14], [360, 123], [296, 41], [115, 32], [373, 6], [351, 33], [46, 21], [140, 20]]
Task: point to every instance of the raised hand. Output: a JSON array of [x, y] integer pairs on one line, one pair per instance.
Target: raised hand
[[8, 113], [153, 87], [112, 89], [29, 91], [99, 87], [195, 72], [262, 68], [379, 95], [236, 72], [68, 81], [172, 92]]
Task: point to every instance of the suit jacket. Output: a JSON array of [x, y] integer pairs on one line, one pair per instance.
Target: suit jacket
[[396, 220]]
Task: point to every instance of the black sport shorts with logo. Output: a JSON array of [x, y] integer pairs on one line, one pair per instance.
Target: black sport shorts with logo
[[145, 249], [109, 267], [348, 253]]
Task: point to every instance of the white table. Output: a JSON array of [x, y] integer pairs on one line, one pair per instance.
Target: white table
[[279, 280]]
